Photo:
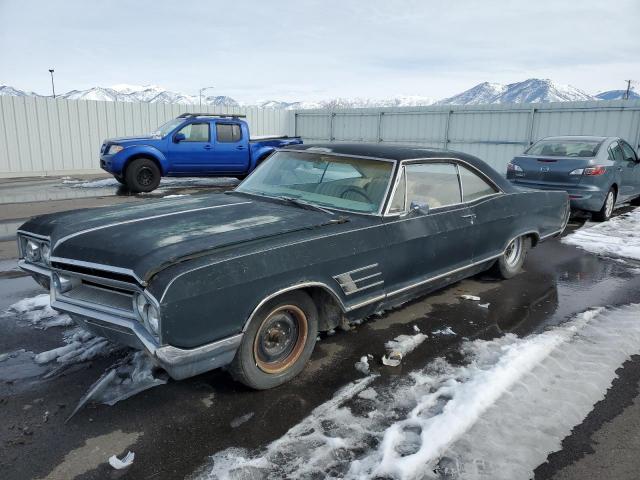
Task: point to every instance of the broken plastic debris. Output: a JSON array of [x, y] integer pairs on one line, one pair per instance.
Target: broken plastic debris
[[416, 328], [444, 331], [363, 365], [118, 464], [470, 297], [393, 360], [484, 305]]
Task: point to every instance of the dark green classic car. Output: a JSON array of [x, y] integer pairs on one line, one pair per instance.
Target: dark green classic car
[[318, 236]]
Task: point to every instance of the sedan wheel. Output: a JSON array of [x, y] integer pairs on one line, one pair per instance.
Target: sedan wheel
[[277, 342], [511, 261], [607, 208]]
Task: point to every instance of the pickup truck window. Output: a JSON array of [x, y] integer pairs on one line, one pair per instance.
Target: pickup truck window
[[166, 128], [228, 132], [196, 132], [346, 183]]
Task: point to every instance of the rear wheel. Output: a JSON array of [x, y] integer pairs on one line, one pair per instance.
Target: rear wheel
[[142, 175], [606, 211], [277, 343], [511, 261]]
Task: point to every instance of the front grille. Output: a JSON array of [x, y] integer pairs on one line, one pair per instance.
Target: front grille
[[100, 295], [121, 277]]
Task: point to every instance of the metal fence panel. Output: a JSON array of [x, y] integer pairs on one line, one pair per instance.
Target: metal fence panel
[[43, 136], [495, 133]]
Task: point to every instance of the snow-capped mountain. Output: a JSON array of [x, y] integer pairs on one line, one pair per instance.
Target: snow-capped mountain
[[617, 95], [533, 90]]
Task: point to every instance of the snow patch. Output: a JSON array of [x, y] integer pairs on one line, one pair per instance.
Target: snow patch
[[236, 422], [37, 312], [444, 331], [166, 182], [363, 365], [126, 461], [497, 416], [470, 297], [618, 238], [405, 344]]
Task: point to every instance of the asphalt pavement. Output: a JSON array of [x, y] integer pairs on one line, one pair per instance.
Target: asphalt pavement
[[174, 428]]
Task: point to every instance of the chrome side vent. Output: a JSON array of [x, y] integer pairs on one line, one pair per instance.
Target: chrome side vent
[[360, 279]]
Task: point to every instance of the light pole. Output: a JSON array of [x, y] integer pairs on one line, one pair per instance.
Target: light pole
[[202, 90], [53, 87]]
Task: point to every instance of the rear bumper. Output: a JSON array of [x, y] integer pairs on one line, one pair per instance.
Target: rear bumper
[[178, 362], [582, 197]]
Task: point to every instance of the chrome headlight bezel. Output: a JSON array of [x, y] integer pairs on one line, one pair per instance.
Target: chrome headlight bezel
[[148, 313]]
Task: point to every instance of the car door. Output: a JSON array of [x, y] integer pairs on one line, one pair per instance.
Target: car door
[[493, 215], [630, 170], [427, 226], [191, 154], [232, 149]]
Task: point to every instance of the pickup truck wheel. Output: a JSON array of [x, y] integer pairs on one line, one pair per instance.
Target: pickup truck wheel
[[142, 175], [119, 179], [511, 261], [277, 343]]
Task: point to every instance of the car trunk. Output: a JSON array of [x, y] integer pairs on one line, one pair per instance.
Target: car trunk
[[541, 169]]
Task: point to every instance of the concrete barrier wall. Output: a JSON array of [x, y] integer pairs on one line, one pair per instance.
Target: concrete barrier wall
[[43, 136]]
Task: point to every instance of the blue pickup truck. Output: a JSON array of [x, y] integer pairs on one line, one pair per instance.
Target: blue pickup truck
[[194, 144]]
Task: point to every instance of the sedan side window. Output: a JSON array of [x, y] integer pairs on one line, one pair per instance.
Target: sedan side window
[[628, 152], [433, 184], [615, 152], [474, 187], [196, 132]]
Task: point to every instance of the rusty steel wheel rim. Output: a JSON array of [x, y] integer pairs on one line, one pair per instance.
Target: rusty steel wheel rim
[[280, 339]]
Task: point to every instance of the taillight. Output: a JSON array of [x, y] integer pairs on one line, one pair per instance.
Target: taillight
[[512, 167], [591, 171]]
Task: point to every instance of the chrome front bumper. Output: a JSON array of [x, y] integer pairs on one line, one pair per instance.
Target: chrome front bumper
[[127, 330]]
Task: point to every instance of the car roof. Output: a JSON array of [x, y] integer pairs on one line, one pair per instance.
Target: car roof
[[584, 138], [377, 151]]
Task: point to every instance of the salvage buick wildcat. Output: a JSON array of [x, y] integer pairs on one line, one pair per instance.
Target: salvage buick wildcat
[[317, 236]]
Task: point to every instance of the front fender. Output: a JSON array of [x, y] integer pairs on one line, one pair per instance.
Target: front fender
[[137, 151]]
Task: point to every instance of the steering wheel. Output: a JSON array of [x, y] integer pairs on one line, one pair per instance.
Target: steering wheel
[[358, 191]]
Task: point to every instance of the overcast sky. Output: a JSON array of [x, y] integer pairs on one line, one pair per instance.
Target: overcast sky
[[309, 50]]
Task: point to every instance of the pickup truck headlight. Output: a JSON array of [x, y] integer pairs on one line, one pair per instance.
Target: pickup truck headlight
[[113, 149], [148, 313]]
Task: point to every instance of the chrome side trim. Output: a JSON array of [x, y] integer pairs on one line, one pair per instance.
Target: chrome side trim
[[135, 220], [30, 267], [34, 235], [552, 234], [180, 356]]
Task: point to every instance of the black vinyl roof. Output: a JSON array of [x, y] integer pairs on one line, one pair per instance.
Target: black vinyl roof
[[402, 152]]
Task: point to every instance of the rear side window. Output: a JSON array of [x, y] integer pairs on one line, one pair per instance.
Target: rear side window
[[434, 184], [615, 152], [196, 132], [228, 132], [473, 186]]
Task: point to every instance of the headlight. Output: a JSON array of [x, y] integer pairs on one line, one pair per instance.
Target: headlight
[[113, 149], [148, 313], [32, 251]]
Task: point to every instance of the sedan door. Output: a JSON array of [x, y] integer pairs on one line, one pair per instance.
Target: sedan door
[[630, 171], [428, 228]]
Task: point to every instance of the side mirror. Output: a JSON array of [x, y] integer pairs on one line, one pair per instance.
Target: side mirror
[[421, 208], [179, 137]]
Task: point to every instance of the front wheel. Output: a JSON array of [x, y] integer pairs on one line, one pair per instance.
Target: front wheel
[[606, 211], [277, 343], [142, 175], [511, 261], [120, 179]]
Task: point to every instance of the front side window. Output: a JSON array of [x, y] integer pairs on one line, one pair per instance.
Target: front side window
[[195, 132], [346, 183], [564, 148], [433, 184], [473, 186], [167, 128], [628, 152], [228, 132]]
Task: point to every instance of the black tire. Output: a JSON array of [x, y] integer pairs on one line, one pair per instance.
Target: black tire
[[510, 262], [635, 202], [119, 179], [609, 204], [142, 175], [273, 351]]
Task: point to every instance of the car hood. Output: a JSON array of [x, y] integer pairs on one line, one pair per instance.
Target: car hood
[[145, 238], [129, 140]]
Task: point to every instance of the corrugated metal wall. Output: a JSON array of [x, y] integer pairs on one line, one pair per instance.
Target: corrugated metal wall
[[495, 133], [42, 136]]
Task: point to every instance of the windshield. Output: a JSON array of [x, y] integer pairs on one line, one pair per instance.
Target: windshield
[[564, 148], [345, 183], [165, 129]]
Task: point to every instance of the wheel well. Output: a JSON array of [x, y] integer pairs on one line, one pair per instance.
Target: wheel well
[[534, 238], [615, 187], [141, 155], [330, 311]]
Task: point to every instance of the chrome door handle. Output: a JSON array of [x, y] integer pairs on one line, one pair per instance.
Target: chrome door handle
[[471, 215]]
